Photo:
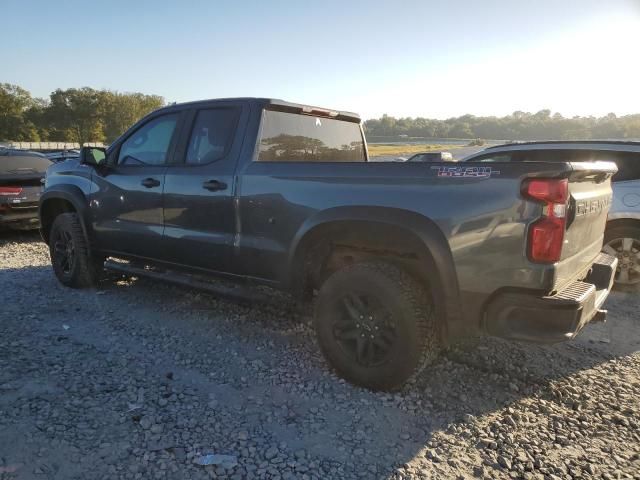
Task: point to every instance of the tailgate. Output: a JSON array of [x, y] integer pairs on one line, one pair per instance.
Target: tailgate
[[589, 202]]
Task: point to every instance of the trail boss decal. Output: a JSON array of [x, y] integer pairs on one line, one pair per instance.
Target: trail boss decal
[[474, 172]]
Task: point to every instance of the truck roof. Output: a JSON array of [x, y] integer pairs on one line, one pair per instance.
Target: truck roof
[[278, 104], [594, 145], [623, 145]]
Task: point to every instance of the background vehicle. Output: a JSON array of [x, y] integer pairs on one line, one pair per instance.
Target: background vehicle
[[431, 157], [400, 259], [62, 155], [21, 174], [622, 236]]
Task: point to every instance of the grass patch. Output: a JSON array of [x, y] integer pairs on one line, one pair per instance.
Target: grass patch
[[383, 149]]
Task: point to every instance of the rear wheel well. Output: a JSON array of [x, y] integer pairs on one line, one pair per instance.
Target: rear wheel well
[[329, 247], [50, 210], [623, 222]]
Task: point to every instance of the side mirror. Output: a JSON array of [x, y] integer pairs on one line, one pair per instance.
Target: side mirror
[[93, 156]]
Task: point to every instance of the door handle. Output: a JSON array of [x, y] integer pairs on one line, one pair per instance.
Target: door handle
[[150, 182], [213, 185]]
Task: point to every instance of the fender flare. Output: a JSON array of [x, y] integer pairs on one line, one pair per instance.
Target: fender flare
[[446, 288], [623, 216], [75, 197]]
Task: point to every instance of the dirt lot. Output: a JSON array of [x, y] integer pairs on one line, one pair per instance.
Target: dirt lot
[[140, 379]]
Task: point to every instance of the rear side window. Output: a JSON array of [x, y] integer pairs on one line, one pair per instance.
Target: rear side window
[[212, 134], [496, 157], [291, 137], [628, 166], [628, 162]]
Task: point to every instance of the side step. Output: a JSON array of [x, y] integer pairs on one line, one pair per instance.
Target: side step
[[237, 293]]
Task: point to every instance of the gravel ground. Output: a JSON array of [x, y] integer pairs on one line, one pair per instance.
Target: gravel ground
[[139, 379]]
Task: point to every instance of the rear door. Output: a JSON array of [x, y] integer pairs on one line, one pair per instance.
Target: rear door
[[127, 206], [199, 213]]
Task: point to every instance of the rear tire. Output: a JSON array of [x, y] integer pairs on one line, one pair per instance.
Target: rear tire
[[70, 253], [624, 242], [375, 325]]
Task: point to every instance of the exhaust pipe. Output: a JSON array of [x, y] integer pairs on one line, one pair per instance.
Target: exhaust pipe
[[600, 316]]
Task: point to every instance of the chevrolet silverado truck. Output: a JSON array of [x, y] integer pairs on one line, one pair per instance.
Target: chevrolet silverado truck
[[397, 259]]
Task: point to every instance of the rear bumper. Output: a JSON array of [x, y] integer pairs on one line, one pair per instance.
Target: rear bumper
[[22, 215], [555, 318]]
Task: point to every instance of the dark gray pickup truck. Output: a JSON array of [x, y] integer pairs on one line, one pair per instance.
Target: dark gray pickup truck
[[398, 258]]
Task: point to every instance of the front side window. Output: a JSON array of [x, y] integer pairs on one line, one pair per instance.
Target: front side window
[[212, 134], [150, 143], [292, 137]]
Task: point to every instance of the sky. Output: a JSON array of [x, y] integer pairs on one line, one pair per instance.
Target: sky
[[435, 59]]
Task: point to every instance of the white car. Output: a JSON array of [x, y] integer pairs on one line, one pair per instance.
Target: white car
[[431, 157], [622, 237]]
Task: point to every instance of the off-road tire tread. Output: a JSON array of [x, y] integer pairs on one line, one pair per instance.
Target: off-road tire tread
[[418, 297], [85, 275]]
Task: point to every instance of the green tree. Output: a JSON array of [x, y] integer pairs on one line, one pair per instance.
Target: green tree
[[76, 114], [121, 110], [85, 115], [519, 125], [14, 103], [632, 127]]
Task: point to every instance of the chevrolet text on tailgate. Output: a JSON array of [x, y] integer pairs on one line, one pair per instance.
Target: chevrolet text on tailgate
[[398, 259]]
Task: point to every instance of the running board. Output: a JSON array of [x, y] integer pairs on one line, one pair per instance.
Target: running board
[[238, 293]]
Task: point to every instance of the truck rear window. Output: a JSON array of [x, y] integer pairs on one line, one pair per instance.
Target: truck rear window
[[291, 137]]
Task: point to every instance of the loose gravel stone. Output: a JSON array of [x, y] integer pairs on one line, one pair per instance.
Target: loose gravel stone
[[150, 377]]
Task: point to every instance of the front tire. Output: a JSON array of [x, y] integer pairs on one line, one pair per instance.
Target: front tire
[[375, 325], [70, 253]]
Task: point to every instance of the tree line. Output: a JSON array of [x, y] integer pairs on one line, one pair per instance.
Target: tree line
[[89, 115], [70, 115], [517, 126]]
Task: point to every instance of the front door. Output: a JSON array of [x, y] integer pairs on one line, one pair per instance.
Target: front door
[[127, 206], [200, 223]]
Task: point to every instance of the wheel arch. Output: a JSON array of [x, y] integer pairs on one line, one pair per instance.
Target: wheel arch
[[63, 199], [626, 221], [403, 237]]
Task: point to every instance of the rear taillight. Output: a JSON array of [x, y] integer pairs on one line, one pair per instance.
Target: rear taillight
[[10, 191], [546, 235]]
